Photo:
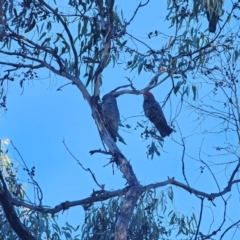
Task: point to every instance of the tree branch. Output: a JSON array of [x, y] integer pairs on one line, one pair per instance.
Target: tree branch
[[69, 36], [10, 213], [85, 169]]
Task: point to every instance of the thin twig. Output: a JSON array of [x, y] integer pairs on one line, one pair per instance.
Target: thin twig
[[136, 10], [200, 219], [234, 224], [85, 169], [39, 190]]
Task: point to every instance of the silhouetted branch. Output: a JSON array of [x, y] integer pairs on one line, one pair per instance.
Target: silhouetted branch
[[10, 213], [85, 169], [208, 236], [100, 151], [20, 65], [183, 155], [230, 227], [124, 86], [37, 187], [136, 10], [209, 196], [200, 219], [68, 204], [60, 88], [137, 188]]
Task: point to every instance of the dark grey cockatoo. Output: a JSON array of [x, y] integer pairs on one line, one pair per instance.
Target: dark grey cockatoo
[[110, 114], [213, 20], [154, 113], [214, 11]]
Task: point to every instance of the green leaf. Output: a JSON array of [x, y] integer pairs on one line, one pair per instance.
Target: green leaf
[[63, 51], [140, 65], [194, 89], [66, 45], [41, 29], [170, 194], [151, 150], [177, 87], [31, 26], [47, 40], [123, 43], [90, 75], [84, 28], [57, 39], [168, 3], [172, 221], [121, 139], [49, 25], [235, 55], [156, 150], [140, 125], [79, 28], [60, 35], [55, 50], [134, 62], [186, 91], [15, 12]]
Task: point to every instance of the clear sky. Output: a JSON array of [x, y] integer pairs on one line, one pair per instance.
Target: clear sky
[[39, 118]]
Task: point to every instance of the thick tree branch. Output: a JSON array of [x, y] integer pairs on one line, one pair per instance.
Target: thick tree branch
[[19, 65], [209, 196], [137, 190], [68, 204], [10, 213]]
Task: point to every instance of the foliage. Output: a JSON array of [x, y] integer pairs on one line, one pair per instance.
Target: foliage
[[101, 218], [146, 223], [40, 224], [78, 41]]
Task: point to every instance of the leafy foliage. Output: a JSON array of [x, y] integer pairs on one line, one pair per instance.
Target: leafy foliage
[[77, 41], [41, 225], [148, 221]]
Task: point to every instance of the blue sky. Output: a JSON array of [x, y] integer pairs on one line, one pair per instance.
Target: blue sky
[[38, 119]]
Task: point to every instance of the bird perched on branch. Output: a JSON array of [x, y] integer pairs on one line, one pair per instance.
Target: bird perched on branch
[[213, 20], [214, 11], [111, 114], [154, 113]]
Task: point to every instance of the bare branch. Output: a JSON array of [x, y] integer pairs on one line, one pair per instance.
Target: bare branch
[[183, 155], [66, 205], [19, 65], [209, 196], [200, 219], [85, 169], [37, 187], [99, 151], [229, 228], [135, 12]]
